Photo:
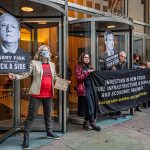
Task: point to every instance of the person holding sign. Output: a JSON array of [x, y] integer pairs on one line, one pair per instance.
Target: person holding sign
[[86, 99], [122, 61], [41, 91], [122, 65], [12, 58]]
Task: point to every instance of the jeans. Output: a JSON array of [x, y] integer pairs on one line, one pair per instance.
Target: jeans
[[32, 112]]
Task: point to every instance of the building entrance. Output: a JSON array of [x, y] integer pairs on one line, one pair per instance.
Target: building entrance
[[88, 35], [42, 25], [35, 33]]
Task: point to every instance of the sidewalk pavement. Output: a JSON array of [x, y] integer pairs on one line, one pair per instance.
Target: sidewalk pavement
[[130, 133]]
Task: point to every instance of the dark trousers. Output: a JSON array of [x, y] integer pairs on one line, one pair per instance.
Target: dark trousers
[[90, 119], [33, 110]]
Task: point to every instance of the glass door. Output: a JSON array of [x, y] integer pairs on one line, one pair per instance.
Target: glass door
[[138, 45], [79, 42], [6, 104], [26, 43], [121, 43], [147, 49], [141, 46], [45, 32]]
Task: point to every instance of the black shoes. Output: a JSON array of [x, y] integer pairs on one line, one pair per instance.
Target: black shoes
[[138, 109], [118, 113], [113, 116], [51, 135], [96, 128], [92, 126], [86, 126], [25, 145]]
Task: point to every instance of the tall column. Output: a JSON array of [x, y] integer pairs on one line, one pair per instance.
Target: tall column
[[146, 14]]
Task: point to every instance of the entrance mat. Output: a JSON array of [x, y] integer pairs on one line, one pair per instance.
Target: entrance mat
[[108, 121], [37, 139]]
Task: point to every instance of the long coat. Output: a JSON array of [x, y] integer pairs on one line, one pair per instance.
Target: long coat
[[37, 72]]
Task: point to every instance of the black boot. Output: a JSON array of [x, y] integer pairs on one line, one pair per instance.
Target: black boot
[[86, 126], [96, 128], [26, 140], [52, 135]]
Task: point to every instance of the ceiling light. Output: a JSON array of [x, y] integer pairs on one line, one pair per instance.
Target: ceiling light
[[111, 26], [42, 22], [27, 9]]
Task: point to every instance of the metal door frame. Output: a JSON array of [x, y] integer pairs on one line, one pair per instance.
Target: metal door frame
[[144, 37], [17, 84]]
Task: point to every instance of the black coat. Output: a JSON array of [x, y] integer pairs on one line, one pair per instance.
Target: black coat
[[121, 66]]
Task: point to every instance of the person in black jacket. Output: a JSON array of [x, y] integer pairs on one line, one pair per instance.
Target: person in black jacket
[[86, 99], [122, 61], [137, 64], [122, 65]]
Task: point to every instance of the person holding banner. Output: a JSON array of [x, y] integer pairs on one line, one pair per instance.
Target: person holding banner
[[137, 64], [122, 61], [41, 91], [137, 61], [86, 100], [147, 64], [122, 65]]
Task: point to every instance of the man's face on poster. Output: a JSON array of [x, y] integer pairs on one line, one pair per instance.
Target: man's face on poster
[[9, 29], [110, 42]]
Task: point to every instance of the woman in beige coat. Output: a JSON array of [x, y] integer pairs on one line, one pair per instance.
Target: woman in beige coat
[[41, 91]]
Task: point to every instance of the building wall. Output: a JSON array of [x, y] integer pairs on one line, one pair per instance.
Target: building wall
[[102, 5]]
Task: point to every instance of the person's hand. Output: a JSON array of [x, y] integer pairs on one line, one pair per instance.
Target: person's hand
[[90, 70], [113, 68], [12, 76], [142, 67]]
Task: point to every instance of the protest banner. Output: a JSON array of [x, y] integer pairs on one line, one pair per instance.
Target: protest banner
[[121, 89]]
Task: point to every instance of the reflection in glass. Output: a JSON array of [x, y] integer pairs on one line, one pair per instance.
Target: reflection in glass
[[79, 42], [6, 104], [138, 46]]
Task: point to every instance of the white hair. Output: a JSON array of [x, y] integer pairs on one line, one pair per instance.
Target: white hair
[[122, 53], [40, 49], [7, 14]]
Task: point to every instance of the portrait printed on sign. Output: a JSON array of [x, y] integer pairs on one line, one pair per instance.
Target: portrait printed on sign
[[110, 56], [12, 58]]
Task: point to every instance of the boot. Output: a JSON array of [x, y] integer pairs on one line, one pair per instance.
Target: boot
[[26, 140], [52, 135], [96, 128], [86, 126]]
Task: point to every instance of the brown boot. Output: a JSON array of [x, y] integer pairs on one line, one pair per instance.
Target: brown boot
[[86, 126]]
